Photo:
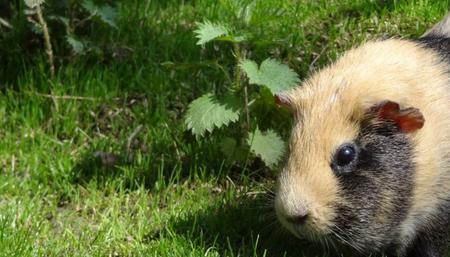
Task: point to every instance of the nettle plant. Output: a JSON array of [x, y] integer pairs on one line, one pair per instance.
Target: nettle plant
[[248, 87], [78, 14]]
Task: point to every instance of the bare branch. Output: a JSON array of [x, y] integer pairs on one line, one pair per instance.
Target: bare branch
[[48, 44]]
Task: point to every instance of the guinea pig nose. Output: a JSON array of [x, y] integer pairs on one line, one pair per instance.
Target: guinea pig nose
[[298, 219]]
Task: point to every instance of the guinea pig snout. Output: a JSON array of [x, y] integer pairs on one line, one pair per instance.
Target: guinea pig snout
[[293, 212], [304, 205], [298, 218]]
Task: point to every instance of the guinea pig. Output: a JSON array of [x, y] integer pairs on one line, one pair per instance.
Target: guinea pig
[[368, 166]]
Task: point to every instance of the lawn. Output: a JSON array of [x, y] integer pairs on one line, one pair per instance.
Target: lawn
[[97, 162]]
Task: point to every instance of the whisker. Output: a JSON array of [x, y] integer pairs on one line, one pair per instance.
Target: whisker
[[348, 242]]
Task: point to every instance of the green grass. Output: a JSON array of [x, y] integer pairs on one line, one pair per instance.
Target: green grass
[[178, 196]]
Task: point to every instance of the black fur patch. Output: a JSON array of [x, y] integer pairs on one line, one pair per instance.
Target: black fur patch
[[439, 44], [377, 191], [434, 236]]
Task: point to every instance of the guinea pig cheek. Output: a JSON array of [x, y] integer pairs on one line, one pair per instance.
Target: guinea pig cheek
[[323, 212]]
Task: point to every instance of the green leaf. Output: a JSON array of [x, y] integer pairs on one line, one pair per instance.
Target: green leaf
[[78, 46], [33, 3], [272, 74], [267, 145], [106, 13], [208, 31], [251, 70], [89, 6], [208, 112]]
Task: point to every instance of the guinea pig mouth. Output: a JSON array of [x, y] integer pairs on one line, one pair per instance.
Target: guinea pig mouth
[[333, 235], [306, 230]]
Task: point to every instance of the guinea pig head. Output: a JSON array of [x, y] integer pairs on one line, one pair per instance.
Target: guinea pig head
[[348, 175]]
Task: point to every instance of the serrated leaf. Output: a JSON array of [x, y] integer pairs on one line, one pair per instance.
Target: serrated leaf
[[208, 112], [267, 145], [251, 70], [106, 13], [277, 76], [78, 46], [89, 6], [272, 74], [33, 3], [207, 31]]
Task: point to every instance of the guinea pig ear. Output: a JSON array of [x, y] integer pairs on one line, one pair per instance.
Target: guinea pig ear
[[408, 119], [282, 99]]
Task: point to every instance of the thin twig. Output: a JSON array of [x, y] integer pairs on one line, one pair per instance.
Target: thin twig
[[311, 66], [68, 97], [130, 141], [175, 142], [237, 55], [65, 97], [227, 76], [62, 97], [82, 22], [238, 81], [48, 43], [247, 112]]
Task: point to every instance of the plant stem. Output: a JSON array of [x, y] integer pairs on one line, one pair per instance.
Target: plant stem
[[237, 54], [225, 73], [238, 80], [247, 112], [48, 44], [57, 97], [127, 147]]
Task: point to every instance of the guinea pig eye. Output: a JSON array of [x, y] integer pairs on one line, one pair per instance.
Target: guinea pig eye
[[344, 155]]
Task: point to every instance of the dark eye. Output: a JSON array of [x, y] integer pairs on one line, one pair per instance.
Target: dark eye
[[345, 155]]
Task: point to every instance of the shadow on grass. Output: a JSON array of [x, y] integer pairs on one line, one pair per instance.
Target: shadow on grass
[[95, 165], [245, 227], [104, 167]]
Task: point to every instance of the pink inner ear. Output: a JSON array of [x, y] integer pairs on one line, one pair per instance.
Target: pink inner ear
[[408, 120], [282, 100]]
